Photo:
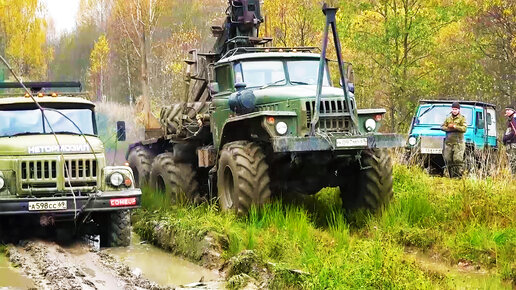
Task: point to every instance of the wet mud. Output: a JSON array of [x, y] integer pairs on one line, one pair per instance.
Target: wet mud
[[160, 266], [77, 266]]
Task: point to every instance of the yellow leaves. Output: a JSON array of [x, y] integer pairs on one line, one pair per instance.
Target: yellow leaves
[[24, 33], [99, 54], [293, 22]]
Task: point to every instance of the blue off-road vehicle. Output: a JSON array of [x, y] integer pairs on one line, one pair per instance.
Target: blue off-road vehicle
[[426, 139]]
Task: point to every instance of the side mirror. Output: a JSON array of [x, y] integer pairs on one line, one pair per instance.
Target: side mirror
[[120, 131], [214, 87]]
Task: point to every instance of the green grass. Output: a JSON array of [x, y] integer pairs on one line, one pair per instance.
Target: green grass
[[457, 220]]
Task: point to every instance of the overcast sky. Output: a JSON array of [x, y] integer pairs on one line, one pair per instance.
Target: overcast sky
[[63, 14]]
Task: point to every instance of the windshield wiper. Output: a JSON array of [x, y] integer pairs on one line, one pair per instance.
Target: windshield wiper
[[271, 84], [22, 133], [426, 111], [299, 83], [67, 132]]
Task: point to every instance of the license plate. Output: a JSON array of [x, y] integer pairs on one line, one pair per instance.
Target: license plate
[[47, 205], [355, 142], [432, 150]]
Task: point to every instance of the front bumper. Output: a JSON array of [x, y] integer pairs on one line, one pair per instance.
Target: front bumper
[[335, 142], [101, 201]]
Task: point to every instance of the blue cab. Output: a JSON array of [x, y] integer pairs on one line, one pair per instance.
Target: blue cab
[[426, 139]]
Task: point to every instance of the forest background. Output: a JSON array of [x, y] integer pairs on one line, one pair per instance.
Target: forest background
[[401, 50]]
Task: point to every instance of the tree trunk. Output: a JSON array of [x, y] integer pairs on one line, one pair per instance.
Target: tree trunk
[[131, 101], [145, 77]]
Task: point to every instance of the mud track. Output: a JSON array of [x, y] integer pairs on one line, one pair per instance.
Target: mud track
[[77, 266]]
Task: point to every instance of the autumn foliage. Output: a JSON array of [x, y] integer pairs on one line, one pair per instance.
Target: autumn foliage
[[401, 50]]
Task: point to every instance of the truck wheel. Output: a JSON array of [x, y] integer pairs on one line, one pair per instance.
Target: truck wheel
[[242, 177], [116, 229], [174, 179], [140, 160], [369, 188]]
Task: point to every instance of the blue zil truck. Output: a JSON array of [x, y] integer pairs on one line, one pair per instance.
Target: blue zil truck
[[426, 139]]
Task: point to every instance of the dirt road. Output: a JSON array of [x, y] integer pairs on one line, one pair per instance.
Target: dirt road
[[52, 266]]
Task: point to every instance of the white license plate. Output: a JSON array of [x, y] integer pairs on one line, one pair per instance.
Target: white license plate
[[355, 142], [432, 150], [47, 205]]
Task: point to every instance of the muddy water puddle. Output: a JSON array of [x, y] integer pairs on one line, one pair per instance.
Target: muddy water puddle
[[160, 266], [11, 277]]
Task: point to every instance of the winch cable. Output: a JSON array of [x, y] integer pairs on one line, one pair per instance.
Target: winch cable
[[55, 136]]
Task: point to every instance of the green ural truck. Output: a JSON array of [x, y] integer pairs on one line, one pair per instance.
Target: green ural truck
[[53, 169], [259, 121]]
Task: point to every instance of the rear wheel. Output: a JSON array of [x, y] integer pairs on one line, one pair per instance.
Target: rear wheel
[[116, 229], [242, 177], [140, 160], [174, 179], [369, 187]]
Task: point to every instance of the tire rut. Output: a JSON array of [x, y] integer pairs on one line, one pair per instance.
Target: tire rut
[[77, 266]]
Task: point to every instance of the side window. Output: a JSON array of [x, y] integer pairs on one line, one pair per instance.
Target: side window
[[224, 77], [489, 119], [480, 120]]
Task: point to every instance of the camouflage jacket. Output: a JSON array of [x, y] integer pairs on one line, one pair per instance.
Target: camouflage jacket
[[455, 134], [510, 133]]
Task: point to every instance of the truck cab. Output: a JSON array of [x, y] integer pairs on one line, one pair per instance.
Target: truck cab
[[426, 139], [283, 84], [53, 167]]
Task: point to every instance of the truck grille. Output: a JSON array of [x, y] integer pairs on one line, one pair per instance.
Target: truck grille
[[80, 172], [333, 116], [41, 176]]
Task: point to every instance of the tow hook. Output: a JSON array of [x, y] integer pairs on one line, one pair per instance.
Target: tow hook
[[46, 221]]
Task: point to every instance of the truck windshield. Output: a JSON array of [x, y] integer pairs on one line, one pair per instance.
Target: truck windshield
[[436, 115], [272, 73], [31, 121]]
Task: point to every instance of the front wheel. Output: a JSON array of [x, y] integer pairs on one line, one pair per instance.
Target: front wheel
[[116, 229], [242, 177], [368, 186]]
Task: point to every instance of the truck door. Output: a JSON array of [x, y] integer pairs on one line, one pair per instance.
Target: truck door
[[491, 127], [480, 125]]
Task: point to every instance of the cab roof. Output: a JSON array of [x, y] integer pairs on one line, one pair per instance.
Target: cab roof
[[46, 99], [462, 102], [262, 55]]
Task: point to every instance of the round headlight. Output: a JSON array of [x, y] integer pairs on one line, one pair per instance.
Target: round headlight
[[116, 179], [281, 128], [412, 140], [370, 125], [2, 182]]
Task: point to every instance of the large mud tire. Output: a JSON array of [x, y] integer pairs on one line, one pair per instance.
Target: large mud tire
[[140, 161], [117, 229], [174, 179], [242, 177], [369, 188]]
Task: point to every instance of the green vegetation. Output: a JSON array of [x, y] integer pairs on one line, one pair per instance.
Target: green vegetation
[[436, 232]]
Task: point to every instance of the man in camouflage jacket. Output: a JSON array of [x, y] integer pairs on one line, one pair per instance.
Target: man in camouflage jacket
[[454, 146], [509, 138]]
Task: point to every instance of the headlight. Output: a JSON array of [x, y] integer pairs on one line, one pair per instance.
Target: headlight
[[281, 128], [412, 141], [2, 182], [370, 125], [116, 179]]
